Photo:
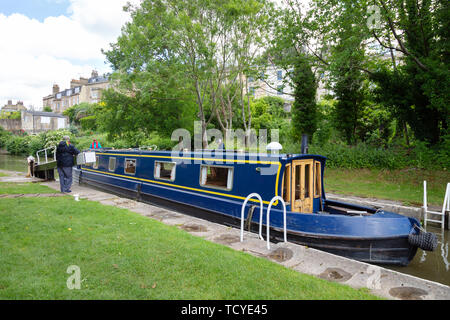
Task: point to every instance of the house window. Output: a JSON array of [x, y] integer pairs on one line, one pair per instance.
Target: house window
[[216, 177], [130, 166], [280, 90], [262, 75], [280, 75], [112, 164], [165, 170]]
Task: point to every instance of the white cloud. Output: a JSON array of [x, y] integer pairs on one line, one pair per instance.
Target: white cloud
[[34, 55]]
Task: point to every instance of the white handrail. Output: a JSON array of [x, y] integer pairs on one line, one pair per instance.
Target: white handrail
[[243, 210], [445, 206], [268, 219], [45, 152]]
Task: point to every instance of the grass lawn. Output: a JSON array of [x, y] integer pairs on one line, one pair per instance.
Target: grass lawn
[[23, 188], [2, 174], [123, 255], [403, 185]]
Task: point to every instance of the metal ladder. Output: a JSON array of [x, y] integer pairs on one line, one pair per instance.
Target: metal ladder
[[445, 207], [276, 198]]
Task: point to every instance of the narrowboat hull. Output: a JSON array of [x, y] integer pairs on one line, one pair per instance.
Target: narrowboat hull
[[362, 238]]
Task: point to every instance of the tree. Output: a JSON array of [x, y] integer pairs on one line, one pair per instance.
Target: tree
[[304, 109], [420, 29], [197, 47]]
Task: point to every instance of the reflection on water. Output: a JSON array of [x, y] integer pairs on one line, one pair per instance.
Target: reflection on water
[[435, 265], [13, 163]]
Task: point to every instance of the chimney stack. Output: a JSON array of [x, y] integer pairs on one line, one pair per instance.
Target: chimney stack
[[55, 88], [9, 102]]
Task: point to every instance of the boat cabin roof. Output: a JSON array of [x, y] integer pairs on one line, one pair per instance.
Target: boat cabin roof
[[218, 154]]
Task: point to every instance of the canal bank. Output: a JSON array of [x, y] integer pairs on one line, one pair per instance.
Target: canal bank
[[380, 281], [435, 265]]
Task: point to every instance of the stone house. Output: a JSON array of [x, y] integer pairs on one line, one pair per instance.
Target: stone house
[[35, 122], [83, 90]]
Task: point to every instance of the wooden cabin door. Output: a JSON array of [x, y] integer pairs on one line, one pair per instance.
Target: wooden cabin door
[[302, 186]]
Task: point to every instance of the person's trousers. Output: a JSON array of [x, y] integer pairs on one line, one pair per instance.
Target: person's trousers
[[65, 178]]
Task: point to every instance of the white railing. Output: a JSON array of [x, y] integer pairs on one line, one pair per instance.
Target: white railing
[[268, 219], [46, 154], [445, 207], [260, 213], [153, 147]]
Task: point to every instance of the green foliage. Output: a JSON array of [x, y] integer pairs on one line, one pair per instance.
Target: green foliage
[[16, 145], [53, 138], [29, 144], [89, 123], [4, 137], [304, 108], [268, 113], [12, 115], [123, 116], [77, 112], [47, 109], [365, 156]]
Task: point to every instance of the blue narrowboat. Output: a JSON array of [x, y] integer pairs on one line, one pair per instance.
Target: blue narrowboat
[[214, 185]]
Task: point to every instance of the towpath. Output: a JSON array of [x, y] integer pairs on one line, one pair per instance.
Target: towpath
[[380, 281]]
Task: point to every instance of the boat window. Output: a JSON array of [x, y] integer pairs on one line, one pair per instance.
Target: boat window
[[286, 184], [216, 177], [307, 180], [165, 170], [112, 164], [297, 182], [96, 162], [318, 182], [130, 166]]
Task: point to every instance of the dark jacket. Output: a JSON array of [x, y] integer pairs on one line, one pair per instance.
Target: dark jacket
[[64, 154]]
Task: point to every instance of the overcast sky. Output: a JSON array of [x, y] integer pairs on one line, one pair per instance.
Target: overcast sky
[[43, 42]]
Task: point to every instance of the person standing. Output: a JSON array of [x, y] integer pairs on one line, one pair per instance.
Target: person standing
[[64, 158], [96, 145]]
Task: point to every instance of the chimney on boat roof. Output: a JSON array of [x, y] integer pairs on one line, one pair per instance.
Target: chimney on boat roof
[[304, 144]]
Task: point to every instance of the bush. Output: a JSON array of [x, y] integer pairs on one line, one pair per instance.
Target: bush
[[365, 156], [4, 137], [89, 123], [16, 145]]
